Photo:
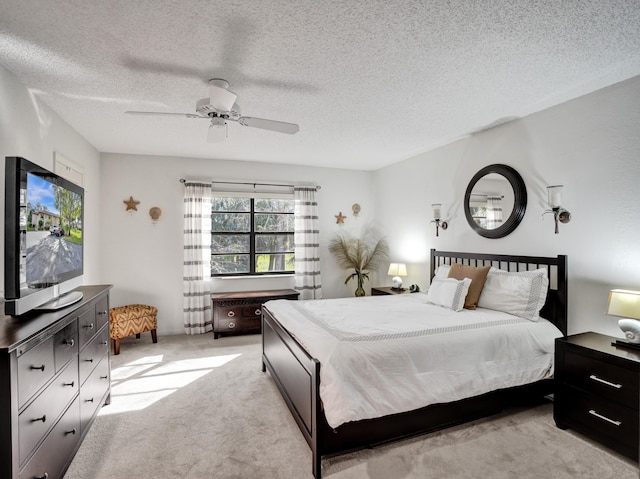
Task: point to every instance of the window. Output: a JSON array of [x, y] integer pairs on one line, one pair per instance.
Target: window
[[252, 236]]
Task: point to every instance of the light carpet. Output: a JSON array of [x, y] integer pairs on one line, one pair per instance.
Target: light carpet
[[191, 407]]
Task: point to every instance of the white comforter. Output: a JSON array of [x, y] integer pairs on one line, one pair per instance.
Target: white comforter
[[382, 355]]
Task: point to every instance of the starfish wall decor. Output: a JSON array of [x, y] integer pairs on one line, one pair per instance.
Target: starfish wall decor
[[131, 204]]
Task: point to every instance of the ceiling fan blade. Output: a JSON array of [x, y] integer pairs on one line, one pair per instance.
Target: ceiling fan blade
[[219, 97], [159, 113], [279, 126]]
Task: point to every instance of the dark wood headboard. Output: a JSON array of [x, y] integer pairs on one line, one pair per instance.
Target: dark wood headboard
[[555, 307]]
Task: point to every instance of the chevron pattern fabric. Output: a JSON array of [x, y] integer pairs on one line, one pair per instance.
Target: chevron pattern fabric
[[129, 320]]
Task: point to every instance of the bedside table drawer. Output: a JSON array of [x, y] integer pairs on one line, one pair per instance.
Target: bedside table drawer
[[615, 425], [607, 381]]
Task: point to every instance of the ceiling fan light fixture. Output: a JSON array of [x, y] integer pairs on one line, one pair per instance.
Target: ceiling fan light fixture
[[217, 130]]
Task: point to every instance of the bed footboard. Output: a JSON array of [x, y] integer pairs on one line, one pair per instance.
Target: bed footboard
[[297, 376]]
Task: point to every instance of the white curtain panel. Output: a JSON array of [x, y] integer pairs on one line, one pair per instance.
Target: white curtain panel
[[494, 212], [197, 258], [307, 243]]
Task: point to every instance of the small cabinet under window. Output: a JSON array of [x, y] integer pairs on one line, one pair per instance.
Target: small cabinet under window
[[241, 313]]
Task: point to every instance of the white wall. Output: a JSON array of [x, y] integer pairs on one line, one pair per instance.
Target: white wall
[[30, 129], [591, 145], [144, 261]]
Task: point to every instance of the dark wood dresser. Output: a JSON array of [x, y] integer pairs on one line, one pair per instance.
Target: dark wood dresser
[[597, 390], [54, 376], [241, 312]]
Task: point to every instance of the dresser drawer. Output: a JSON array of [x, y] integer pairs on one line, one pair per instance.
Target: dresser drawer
[[102, 312], [39, 417], [35, 368], [87, 326], [239, 325], [93, 391], [608, 381], [93, 353], [252, 311], [52, 456], [66, 344], [229, 312], [612, 424]]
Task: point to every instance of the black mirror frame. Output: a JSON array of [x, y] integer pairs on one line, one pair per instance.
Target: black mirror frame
[[519, 201]]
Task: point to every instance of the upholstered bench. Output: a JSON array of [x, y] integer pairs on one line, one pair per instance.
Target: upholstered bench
[[129, 320]]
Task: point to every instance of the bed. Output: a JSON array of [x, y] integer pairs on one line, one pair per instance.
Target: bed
[[297, 370]]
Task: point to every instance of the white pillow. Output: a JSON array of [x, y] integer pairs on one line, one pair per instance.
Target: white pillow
[[442, 271], [448, 292], [519, 293]]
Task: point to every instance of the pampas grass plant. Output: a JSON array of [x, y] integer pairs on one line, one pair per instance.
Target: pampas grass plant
[[361, 255]]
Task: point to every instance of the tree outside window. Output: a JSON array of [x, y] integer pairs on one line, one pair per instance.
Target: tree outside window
[[252, 236]]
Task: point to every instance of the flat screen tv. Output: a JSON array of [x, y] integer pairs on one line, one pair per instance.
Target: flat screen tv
[[43, 245]]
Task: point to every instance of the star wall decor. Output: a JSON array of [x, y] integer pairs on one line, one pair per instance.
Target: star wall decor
[[131, 204], [340, 218]]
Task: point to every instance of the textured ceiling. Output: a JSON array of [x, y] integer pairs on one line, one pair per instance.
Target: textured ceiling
[[370, 82]]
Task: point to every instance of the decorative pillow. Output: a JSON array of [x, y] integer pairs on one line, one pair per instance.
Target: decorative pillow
[[448, 292], [519, 293], [442, 271], [477, 275]]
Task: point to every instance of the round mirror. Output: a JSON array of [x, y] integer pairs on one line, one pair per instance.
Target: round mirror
[[495, 201]]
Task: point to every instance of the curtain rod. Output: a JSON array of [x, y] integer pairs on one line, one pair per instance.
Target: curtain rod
[[485, 195], [254, 183]]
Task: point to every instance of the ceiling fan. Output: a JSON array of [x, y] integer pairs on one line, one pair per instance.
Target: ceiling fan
[[221, 107]]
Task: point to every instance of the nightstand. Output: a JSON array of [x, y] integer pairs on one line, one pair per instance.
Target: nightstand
[[597, 390], [382, 290]]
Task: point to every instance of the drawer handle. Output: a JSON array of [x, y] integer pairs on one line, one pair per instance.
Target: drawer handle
[[104, 343], [258, 312], [72, 383], [613, 385], [88, 326], [104, 377], [41, 368], [89, 400], [231, 314], [102, 313], [232, 325], [43, 419], [46, 476], [69, 342], [73, 431], [88, 360], [604, 418]]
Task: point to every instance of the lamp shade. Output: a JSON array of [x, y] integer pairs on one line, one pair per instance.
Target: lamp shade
[[437, 207], [397, 269], [555, 196], [624, 303]]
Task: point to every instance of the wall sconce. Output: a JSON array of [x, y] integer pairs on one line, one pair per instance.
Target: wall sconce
[[436, 218], [396, 270], [626, 304], [555, 203]]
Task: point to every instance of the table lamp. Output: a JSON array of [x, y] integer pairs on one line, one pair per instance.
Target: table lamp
[[396, 270], [626, 304]]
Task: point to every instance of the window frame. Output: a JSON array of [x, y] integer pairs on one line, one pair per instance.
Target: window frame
[[252, 234]]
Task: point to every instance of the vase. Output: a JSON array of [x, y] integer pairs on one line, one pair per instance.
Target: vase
[[360, 290]]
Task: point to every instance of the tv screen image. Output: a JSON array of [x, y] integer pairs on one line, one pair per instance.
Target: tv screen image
[[53, 230], [43, 248]]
